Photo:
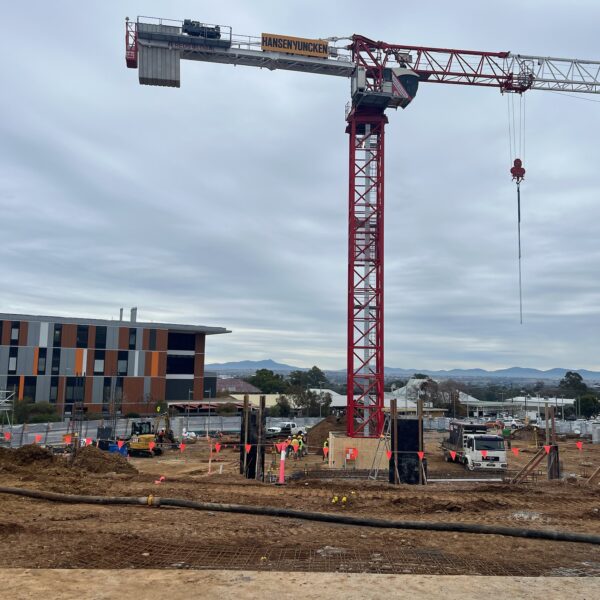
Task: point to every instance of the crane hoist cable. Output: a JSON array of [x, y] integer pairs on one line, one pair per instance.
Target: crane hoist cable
[[517, 145]]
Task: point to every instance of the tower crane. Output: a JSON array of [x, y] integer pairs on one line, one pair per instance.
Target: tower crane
[[382, 76]]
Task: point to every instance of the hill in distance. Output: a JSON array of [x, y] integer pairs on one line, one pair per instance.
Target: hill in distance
[[250, 366]]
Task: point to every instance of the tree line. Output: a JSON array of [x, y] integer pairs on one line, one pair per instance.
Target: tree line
[[295, 391]]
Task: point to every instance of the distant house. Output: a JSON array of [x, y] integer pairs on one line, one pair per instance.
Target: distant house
[[406, 399], [233, 385]]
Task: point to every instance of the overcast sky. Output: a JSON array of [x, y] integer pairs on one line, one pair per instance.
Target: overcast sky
[[225, 202]]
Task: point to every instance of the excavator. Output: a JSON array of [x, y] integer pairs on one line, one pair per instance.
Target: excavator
[[151, 438]]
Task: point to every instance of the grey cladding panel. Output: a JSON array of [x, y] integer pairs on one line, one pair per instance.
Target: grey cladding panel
[[42, 389], [131, 363], [33, 333], [67, 362], [4, 352], [141, 363], [159, 66], [112, 338], [97, 387], [25, 361], [139, 338]]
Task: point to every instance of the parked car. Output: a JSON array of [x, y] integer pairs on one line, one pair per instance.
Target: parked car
[[273, 431], [290, 428]]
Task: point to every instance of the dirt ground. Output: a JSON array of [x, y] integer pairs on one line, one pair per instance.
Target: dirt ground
[[39, 534]]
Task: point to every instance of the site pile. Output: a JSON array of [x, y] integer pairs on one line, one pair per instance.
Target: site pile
[[33, 459], [96, 461], [319, 433]]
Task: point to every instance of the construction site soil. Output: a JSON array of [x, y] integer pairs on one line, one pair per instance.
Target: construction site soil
[[42, 534]]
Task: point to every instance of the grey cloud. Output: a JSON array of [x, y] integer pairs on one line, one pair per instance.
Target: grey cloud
[[225, 202]]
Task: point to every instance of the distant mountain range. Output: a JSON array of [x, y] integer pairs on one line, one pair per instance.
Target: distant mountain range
[[510, 373], [249, 366], [253, 365]]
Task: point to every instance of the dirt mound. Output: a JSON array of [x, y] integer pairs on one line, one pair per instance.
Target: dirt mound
[[26, 455], [97, 461], [526, 434], [320, 432]]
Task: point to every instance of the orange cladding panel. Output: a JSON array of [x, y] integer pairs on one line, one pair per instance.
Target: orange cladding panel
[[23, 329], [6, 325], [110, 362], [162, 337], [36, 355], [91, 336], [154, 365], [157, 388], [123, 338], [78, 361], [69, 336]]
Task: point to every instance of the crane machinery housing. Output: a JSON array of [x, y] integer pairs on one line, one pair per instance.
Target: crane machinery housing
[[382, 76]]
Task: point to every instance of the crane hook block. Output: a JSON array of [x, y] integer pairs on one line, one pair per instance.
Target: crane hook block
[[517, 171]]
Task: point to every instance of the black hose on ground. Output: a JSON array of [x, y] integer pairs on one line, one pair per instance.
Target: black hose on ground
[[540, 534]]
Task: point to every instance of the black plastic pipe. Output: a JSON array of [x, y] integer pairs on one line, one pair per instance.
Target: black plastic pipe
[[539, 534]]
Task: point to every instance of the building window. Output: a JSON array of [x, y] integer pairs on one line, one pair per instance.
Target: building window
[[53, 398], [12, 383], [29, 389], [55, 369], [12, 361], [122, 362], [181, 341], [119, 391], [180, 365], [132, 337], [69, 389], [152, 340], [14, 333], [57, 338], [41, 366], [82, 336], [74, 392], [100, 337], [99, 362], [106, 394]]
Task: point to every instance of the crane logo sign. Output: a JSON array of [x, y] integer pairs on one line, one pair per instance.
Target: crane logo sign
[[294, 45]]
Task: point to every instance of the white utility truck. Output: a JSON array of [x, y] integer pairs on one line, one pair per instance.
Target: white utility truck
[[471, 445]]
